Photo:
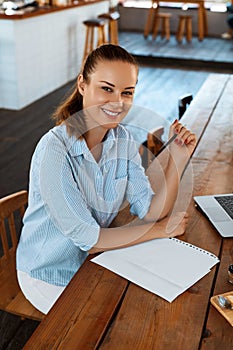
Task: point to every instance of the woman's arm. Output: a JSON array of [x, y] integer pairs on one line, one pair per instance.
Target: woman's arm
[[166, 188], [125, 236]]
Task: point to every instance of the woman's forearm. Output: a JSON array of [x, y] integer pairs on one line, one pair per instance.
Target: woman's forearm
[[125, 236], [166, 192], [165, 172]]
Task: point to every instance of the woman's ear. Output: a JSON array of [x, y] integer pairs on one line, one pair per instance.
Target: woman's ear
[[81, 84]]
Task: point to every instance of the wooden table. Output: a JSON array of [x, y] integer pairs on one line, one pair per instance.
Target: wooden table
[[202, 18], [99, 309]]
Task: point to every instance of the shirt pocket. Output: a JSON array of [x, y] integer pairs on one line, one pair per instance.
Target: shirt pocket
[[119, 187]]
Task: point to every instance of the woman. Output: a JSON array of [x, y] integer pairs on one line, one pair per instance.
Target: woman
[[229, 33], [81, 173]]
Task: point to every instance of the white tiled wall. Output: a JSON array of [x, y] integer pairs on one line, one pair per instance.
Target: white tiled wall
[[40, 54]]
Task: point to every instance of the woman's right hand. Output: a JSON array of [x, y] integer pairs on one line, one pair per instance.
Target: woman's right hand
[[185, 141], [174, 225]]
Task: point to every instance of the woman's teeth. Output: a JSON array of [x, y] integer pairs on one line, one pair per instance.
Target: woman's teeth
[[110, 113]]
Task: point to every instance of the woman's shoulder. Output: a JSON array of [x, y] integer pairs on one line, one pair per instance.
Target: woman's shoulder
[[58, 134], [55, 138]]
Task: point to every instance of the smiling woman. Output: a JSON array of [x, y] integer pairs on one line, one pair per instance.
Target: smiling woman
[[82, 172]]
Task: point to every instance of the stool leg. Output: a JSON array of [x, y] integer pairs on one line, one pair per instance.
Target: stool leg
[[163, 29], [156, 27], [149, 22], [91, 42], [101, 36], [114, 32], [88, 40], [189, 30], [167, 29], [180, 31]]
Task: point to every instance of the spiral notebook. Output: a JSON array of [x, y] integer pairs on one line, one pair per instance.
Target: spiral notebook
[[166, 267]]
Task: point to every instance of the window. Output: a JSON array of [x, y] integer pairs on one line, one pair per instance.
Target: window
[[213, 5]]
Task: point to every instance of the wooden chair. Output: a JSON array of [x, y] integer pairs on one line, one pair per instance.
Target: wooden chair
[[183, 102], [12, 300], [151, 146]]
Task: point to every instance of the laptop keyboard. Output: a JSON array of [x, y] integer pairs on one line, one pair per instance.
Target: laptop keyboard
[[227, 204]]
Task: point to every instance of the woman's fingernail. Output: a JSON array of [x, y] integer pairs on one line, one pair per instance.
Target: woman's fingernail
[[175, 121]]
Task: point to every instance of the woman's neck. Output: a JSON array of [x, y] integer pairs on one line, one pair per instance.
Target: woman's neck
[[94, 139]]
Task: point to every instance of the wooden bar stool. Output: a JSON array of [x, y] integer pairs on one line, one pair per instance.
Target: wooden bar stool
[[91, 25], [112, 18], [162, 19], [185, 23]]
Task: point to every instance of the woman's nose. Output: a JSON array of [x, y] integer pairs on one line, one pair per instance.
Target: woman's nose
[[116, 97], [116, 105]]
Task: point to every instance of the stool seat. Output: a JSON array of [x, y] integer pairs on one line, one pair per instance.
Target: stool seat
[[185, 23], [164, 20], [112, 18], [91, 24], [110, 15], [94, 22]]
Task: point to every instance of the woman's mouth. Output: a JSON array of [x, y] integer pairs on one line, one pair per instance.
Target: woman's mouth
[[111, 114]]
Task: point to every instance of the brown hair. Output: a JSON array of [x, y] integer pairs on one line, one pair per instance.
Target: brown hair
[[74, 102]]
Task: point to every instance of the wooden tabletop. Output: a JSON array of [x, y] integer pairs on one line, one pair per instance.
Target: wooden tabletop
[[46, 9], [99, 309]]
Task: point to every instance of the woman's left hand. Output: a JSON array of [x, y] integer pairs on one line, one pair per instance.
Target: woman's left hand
[[185, 140]]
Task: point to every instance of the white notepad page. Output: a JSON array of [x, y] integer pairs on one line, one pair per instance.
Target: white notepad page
[[166, 267]]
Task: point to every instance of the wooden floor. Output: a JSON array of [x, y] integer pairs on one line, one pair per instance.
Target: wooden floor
[[211, 53], [164, 76]]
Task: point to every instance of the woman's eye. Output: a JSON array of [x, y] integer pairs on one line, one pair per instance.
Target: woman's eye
[[128, 93], [106, 88]]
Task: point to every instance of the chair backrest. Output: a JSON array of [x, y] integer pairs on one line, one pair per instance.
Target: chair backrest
[[183, 102], [12, 209], [12, 300], [150, 147]]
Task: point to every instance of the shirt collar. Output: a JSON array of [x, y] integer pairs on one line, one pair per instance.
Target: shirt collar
[[79, 147]]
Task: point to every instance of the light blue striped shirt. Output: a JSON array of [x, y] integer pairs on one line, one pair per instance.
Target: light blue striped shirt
[[71, 196]]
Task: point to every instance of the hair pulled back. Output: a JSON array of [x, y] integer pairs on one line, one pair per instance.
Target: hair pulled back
[[74, 102]]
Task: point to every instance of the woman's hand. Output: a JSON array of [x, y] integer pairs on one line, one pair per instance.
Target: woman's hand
[[185, 141], [174, 225]]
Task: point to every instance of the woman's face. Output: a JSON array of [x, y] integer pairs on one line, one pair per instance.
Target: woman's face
[[108, 94]]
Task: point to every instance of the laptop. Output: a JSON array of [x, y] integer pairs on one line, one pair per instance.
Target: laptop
[[219, 210]]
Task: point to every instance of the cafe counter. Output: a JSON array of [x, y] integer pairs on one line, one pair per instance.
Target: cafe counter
[[42, 50]]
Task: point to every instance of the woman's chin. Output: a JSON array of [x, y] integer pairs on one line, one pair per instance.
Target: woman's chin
[[110, 125]]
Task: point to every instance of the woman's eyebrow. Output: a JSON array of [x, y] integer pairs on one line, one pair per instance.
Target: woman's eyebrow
[[106, 82]]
